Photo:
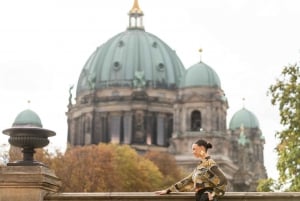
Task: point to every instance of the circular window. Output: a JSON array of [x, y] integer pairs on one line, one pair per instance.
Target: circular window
[[121, 43], [154, 44], [160, 67], [117, 65]]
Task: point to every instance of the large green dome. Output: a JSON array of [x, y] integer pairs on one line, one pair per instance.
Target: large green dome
[[27, 118], [127, 56], [200, 74], [243, 118]]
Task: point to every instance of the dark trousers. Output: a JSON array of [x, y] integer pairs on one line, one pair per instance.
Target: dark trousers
[[202, 195]]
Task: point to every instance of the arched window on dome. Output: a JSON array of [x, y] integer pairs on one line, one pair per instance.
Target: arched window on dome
[[196, 123]]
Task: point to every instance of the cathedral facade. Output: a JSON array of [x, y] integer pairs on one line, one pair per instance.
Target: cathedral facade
[[135, 90]]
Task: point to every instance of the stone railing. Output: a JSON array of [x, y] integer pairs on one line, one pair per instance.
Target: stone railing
[[38, 183], [150, 196]]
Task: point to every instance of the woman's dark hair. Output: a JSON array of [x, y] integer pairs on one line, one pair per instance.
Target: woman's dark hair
[[203, 143]]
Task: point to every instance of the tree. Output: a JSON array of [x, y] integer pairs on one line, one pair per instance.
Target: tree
[[4, 156], [166, 163], [102, 168], [285, 94], [108, 168], [267, 185], [15, 153]]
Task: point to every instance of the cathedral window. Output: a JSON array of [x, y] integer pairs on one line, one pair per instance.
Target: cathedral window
[[196, 121]]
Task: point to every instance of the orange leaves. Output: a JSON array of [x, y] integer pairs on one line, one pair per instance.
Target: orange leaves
[[103, 168]]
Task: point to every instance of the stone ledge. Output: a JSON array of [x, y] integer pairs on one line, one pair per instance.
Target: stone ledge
[[149, 196], [37, 177]]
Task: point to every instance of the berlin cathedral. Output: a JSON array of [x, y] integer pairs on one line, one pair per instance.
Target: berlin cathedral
[[134, 90]]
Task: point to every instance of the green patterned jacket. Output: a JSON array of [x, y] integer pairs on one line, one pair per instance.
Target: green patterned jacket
[[206, 175]]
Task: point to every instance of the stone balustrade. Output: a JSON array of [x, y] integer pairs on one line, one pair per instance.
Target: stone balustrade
[[38, 183], [150, 196]]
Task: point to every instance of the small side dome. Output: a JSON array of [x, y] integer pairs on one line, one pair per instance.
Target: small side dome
[[243, 118], [27, 118], [200, 74]]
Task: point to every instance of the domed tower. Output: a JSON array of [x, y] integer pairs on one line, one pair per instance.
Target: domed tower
[[126, 90], [200, 112], [247, 150], [202, 100]]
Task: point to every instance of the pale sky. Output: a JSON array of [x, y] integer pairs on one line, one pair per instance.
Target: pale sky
[[44, 45]]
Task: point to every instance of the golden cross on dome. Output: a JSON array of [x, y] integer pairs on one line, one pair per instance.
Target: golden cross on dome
[[136, 8]]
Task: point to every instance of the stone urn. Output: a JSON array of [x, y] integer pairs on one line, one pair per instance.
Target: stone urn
[[28, 133]]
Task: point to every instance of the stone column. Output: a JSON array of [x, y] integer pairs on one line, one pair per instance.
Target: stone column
[[27, 183]]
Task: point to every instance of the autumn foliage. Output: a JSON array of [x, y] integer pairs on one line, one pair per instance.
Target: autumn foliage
[[166, 164], [108, 168], [103, 168]]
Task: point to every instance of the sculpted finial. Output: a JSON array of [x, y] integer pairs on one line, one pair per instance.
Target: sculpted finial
[[135, 8], [200, 51]]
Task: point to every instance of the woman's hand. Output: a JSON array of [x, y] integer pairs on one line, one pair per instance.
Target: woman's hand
[[162, 192], [211, 195]]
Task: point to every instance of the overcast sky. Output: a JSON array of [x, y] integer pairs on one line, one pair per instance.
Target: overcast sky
[[44, 45]]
